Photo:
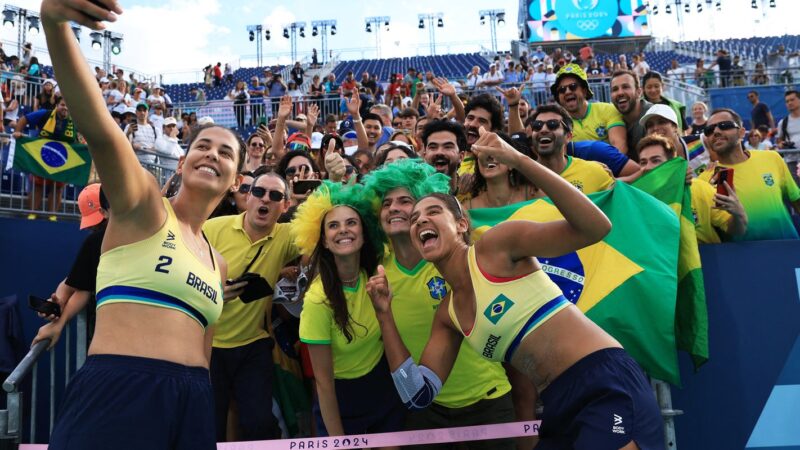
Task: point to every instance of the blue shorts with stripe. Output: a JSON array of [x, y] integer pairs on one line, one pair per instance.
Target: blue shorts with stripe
[[603, 401], [126, 402]]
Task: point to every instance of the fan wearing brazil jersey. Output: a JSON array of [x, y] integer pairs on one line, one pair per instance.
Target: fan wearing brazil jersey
[[761, 179], [478, 391]]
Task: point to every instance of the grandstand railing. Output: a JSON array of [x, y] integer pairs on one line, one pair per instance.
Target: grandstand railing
[[18, 189]]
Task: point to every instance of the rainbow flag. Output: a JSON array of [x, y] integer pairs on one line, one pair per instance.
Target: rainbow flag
[[667, 183], [625, 283], [53, 160]]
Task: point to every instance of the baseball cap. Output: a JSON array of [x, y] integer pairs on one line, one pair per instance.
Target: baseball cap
[[142, 106], [51, 81], [316, 140], [205, 120], [346, 125], [89, 205], [104, 80], [170, 121], [129, 110], [662, 111], [572, 70]]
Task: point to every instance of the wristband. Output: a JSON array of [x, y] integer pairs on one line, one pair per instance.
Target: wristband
[[356, 120]]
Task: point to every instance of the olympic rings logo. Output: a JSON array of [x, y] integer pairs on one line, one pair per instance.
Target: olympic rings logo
[[588, 25]]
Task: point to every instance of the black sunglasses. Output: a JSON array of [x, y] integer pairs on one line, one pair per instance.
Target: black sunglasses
[[723, 126], [349, 170], [260, 192], [244, 188], [291, 171], [569, 87], [552, 125]]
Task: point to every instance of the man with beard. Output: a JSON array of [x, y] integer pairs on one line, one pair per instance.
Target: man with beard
[[626, 95], [481, 111], [761, 179], [552, 131], [662, 120], [593, 121], [443, 142], [241, 355]]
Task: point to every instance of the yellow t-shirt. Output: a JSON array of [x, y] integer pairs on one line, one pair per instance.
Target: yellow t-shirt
[[317, 326], [587, 176], [600, 117], [416, 294], [467, 166], [763, 183], [707, 218], [243, 323]]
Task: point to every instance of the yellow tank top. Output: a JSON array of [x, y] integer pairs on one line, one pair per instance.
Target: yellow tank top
[[161, 271], [507, 309]]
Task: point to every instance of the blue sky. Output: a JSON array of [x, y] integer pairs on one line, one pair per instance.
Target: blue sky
[[185, 35]]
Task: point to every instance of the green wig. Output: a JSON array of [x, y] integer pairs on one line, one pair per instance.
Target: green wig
[[307, 222], [415, 175]]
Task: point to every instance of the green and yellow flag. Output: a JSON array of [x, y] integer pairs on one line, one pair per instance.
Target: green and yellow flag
[[667, 183], [53, 160], [625, 283]]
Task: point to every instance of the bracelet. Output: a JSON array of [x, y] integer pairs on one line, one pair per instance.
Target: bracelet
[[356, 120], [511, 105]]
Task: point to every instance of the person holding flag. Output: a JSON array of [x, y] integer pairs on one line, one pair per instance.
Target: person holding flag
[[594, 394]]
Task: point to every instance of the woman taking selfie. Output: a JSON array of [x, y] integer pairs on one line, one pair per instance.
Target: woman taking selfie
[[145, 383]]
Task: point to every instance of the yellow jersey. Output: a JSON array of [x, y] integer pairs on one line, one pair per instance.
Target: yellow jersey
[[707, 218], [600, 117], [587, 176]]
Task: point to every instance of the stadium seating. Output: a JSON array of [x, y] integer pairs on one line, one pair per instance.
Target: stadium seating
[[449, 66], [754, 48], [180, 93]]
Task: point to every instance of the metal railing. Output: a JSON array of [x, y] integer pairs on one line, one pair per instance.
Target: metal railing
[[11, 419]]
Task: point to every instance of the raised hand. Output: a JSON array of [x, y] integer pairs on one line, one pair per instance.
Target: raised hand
[[490, 145], [379, 291], [512, 95], [444, 87], [354, 105], [90, 14], [434, 109], [312, 114], [285, 107], [334, 163]]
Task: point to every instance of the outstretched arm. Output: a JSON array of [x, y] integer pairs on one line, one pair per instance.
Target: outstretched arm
[[584, 223], [126, 184]]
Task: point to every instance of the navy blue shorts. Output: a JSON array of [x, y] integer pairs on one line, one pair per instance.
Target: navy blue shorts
[[126, 402], [368, 404], [603, 401]]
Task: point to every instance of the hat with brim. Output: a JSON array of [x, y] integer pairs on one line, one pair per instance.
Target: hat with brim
[[661, 111], [575, 71], [89, 206]]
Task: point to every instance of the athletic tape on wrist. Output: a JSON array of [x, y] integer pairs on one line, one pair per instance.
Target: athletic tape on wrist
[[400, 438]]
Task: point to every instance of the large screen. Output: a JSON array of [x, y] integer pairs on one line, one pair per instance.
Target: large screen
[[560, 20]]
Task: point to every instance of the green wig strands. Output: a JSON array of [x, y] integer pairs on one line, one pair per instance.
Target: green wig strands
[[418, 177]]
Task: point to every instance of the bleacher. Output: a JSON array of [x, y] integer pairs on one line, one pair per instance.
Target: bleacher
[[658, 61], [448, 66], [754, 48], [180, 93]]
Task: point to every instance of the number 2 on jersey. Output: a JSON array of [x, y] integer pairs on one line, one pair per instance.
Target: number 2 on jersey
[[165, 261]]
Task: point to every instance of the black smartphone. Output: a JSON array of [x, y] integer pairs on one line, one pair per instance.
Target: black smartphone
[[256, 288], [44, 306], [303, 186]]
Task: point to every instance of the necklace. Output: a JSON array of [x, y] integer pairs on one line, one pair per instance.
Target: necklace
[[351, 281]]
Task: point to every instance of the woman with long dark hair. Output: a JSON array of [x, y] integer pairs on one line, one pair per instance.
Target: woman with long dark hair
[[495, 184], [507, 309], [337, 229], [653, 88], [159, 282]]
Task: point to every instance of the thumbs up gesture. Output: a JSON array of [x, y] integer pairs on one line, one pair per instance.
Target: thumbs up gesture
[[379, 291]]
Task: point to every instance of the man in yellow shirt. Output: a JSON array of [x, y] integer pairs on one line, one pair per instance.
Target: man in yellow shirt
[[711, 211], [241, 356], [551, 132], [596, 121]]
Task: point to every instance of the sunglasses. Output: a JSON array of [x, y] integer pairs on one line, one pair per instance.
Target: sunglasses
[[569, 87], [349, 170], [260, 192], [244, 188], [257, 145], [297, 146], [291, 171], [723, 126], [552, 125]]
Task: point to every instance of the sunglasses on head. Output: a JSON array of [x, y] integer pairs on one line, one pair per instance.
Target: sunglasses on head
[[244, 188], [260, 192], [291, 171], [723, 126], [552, 124], [568, 87], [297, 146]]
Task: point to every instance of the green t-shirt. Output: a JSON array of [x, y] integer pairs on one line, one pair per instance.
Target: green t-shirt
[[416, 294], [317, 326]]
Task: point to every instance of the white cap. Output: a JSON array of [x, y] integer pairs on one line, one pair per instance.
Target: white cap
[[170, 121], [205, 120], [104, 80], [129, 109], [316, 140], [661, 111], [51, 81]]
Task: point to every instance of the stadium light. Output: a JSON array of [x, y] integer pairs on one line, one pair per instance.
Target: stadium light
[[116, 45], [76, 29], [483, 20], [267, 35], [333, 30], [252, 36], [368, 29], [772, 4], [754, 4], [421, 24], [440, 23], [668, 9], [302, 32], [699, 7], [97, 40], [8, 18], [286, 33], [719, 5], [33, 25], [655, 10], [687, 8], [501, 18], [314, 31]]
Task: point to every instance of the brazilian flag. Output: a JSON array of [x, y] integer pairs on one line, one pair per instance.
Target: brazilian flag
[[54, 160], [667, 183], [625, 283]]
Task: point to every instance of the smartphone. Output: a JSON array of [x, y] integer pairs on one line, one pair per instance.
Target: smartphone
[[256, 288], [724, 174], [44, 306], [303, 186], [262, 122]]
